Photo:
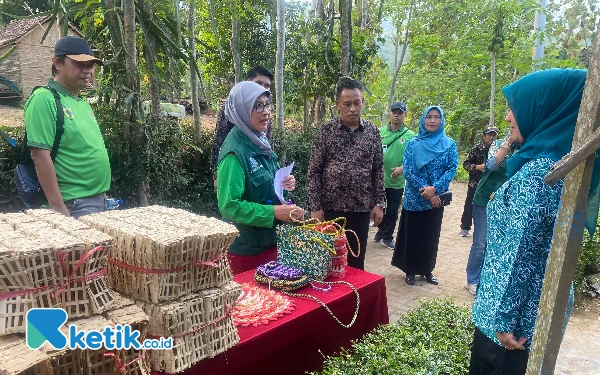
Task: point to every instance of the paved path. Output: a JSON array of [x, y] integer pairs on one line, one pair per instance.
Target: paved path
[[580, 351]]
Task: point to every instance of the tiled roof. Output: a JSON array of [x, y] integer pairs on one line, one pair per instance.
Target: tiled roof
[[18, 28]]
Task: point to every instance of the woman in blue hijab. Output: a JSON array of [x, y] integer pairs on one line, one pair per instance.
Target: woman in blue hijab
[[430, 163], [521, 215]]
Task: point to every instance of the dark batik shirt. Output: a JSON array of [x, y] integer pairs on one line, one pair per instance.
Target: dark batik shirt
[[223, 128], [477, 155], [345, 172]]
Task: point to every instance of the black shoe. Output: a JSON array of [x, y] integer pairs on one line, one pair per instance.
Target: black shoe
[[410, 279], [378, 236], [431, 279]]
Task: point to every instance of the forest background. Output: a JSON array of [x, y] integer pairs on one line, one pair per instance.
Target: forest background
[[457, 54]]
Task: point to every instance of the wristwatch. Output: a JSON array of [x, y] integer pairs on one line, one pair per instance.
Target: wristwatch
[[382, 205]]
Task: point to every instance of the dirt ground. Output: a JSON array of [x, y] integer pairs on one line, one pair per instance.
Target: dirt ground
[[13, 117], [10, 116], [580, 350]]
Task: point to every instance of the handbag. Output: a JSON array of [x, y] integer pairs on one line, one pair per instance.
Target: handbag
[[287, 279], [26, 180], [339, 262], [319, 249]]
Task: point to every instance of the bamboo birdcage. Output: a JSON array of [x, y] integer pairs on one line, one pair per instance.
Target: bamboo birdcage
[[17, 358], [36, 255], [160, 254], [199, 325]]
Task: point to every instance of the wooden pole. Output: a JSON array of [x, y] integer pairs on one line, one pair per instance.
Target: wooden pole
[[568, 235]]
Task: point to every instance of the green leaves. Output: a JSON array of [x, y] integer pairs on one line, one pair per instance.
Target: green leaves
[[432, 339]]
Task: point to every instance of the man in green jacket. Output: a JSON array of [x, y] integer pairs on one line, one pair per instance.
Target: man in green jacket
[[394, 138], [75, 183]]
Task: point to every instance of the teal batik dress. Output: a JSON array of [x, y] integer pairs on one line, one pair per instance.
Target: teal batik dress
[[521, 217]]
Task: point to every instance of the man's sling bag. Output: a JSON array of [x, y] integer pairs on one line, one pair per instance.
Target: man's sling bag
[[28, 186]]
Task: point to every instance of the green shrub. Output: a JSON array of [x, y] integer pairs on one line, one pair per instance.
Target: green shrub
[[461, 174], [589, 260], [294, 146], [433, 338]]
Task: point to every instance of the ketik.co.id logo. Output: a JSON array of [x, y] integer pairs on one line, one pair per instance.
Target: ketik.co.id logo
[[44, 325]]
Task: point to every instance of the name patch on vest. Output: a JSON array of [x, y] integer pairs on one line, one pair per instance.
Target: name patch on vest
[[254, 166]]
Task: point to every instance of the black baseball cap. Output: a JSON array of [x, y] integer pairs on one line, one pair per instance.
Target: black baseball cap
[[75, 48], [399, 105], [490, 129]]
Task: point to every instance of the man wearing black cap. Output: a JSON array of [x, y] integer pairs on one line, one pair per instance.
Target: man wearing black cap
[[474, 164], [74, 182], [394, 138]]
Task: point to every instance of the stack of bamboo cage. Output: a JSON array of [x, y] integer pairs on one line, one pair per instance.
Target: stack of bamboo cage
[[50, 260], [42, 265], [16, 358], [174, 263]]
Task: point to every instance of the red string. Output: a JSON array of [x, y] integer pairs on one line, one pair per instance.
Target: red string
[[121, 367], [59, 288], [228, 310], [131, 267]]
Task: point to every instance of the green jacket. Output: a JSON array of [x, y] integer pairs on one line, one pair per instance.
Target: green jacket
[[490, 182], [245, 192]]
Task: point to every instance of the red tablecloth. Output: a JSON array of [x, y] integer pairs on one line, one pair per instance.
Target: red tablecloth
[[296, 343]]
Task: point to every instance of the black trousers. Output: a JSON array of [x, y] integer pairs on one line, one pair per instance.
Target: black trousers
[[358, 222], [393, 198], [489, 358], [467, 216]]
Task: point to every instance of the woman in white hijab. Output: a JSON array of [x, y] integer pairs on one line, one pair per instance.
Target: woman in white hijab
[[245, 174]]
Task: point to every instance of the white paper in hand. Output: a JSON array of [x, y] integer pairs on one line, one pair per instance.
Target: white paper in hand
[[280, 175]]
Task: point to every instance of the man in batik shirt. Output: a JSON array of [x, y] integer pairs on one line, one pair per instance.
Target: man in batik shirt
[[345, 172]]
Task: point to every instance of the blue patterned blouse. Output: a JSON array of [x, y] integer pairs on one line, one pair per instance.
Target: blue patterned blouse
[[521, 216], [438, 173]]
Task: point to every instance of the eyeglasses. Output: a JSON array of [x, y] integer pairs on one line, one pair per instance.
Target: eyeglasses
[[261, 107]]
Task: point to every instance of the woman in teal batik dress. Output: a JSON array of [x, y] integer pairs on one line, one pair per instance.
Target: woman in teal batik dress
[[543, 111]]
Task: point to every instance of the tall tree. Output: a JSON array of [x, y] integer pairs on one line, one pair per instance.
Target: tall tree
[[193, 74], [346, 33], [399, 62], [279, 62], [150, 55], [494, 47], [235, 41]]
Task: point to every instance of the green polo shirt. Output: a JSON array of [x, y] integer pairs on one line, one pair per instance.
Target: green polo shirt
[[394, 143], [82, 165]]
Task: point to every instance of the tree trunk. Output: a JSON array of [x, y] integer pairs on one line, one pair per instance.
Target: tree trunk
[[345, 26], [193, 74], [149, 53], [380, 12], [320, 9], [363, 14], [398, 67], [493, 93], [131, 69], [539, 27], [235, 42], [279, 62]]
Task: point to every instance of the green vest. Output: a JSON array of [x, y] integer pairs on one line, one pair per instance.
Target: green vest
[[490, 182], [259, 172]]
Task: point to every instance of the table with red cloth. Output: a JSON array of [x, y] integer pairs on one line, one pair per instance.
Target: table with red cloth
[[297, 342]]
